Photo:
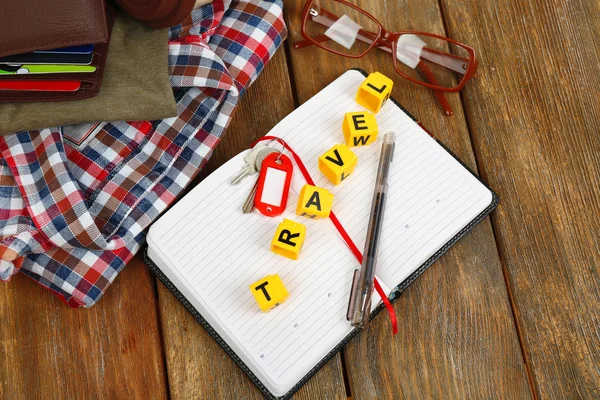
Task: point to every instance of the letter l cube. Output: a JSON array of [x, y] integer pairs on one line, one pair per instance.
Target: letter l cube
[[374, 91]]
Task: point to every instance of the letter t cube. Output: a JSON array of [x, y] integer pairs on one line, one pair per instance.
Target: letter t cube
[[269, 292], [288, 239], [374, 91]]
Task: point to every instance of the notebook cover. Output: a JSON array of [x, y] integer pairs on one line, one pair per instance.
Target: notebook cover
[[41, 25], [394, 295]]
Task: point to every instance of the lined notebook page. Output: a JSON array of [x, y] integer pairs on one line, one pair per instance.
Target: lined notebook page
[[216, 252], [431, 197]]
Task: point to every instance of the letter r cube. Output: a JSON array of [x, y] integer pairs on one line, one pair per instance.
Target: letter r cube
[[360, 128], [374, 91], [288, 239], [314, 202], [269, 292], [337, 163]]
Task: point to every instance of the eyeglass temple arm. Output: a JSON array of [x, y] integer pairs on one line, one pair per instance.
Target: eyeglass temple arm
[[440, 95]]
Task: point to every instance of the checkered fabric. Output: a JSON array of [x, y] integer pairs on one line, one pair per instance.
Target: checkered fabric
[[72, 218]]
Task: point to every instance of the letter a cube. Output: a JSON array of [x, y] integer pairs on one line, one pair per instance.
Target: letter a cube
[[288, 239], [338, 163], [269, 292], [374, 91], [314, 202], [360, 128]]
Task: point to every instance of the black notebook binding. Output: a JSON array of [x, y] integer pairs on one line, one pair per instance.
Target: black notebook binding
[[394, 295]]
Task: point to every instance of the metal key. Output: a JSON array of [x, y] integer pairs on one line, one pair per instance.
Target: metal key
[[248, 206], [249, 164]]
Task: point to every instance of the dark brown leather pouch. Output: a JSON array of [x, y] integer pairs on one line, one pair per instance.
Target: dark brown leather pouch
[[29, 25], [91, 24]]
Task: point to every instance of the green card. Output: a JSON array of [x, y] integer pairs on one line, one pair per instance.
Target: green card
[[8, 69]]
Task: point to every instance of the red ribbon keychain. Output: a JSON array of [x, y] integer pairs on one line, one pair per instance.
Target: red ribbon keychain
[[273, 184], [338, 226]]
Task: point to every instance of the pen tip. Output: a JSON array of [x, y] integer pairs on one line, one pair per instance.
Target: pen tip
[[390, 137]]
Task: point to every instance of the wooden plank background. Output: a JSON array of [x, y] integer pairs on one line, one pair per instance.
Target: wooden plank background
[[511, 311]]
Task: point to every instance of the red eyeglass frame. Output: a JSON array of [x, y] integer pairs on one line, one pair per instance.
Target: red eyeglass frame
[[386, 41]]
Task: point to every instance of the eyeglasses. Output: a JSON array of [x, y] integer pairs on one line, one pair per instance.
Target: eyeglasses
[[430, 60]]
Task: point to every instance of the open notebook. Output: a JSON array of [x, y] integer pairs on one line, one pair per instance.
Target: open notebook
[[208, 252]]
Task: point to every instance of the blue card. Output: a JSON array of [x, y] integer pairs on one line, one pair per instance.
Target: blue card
[[87, 49]]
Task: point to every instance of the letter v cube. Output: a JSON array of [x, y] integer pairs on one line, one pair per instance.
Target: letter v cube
[[314, 202], [338, 163], [360, 128], [289, 238], [374, 91]]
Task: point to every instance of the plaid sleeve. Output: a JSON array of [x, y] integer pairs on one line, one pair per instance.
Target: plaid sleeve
[[72, 218]]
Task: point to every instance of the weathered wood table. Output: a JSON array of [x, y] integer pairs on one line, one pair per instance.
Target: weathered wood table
[[511, 311]]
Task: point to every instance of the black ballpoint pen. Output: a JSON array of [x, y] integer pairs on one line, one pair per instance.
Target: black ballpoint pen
[[359, 307]]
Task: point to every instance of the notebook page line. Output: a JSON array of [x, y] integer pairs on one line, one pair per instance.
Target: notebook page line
[[260, 243], [212, 281], [299, 315], [233, 217], [396, 217], [310, 337], [297, 309], [259, 318], [405, 202], [181, 228], [247, 297], [227, 203], [415, 250], [395, 235]]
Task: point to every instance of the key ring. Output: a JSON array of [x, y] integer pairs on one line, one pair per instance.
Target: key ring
[[278, 159]]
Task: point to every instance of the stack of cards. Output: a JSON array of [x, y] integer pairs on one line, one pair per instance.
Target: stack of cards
[[44, 64]]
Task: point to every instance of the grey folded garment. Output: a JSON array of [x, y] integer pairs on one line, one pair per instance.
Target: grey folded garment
[[136, 85]]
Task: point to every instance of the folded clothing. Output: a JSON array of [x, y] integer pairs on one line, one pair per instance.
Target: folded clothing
[[72, 218], [136, 85]]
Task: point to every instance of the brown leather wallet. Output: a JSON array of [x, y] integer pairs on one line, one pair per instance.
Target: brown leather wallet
[[90, 83], [29, 25]]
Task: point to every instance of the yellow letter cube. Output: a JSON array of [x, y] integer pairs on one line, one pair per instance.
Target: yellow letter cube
[[360, 128], [374, 91], [269, 292], [288, 239], [338, 163], [314, 202]]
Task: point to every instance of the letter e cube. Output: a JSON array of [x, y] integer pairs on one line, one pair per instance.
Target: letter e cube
[[338, 163], [269, 292], [288, 239], [374, 91], [360, 128], [314, 202]]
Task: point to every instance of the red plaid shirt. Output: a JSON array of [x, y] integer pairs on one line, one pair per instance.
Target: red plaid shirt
[[71, 218]]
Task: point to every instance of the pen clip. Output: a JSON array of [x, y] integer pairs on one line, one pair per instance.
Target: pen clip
[[352, 295]]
